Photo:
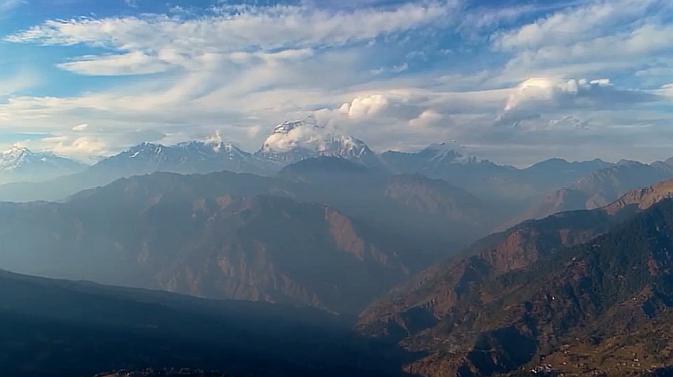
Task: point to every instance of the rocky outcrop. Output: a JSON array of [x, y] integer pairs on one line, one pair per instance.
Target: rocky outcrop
[[643, 198]]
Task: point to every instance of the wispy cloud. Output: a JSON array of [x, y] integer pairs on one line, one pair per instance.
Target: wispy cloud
[[8, 5], [594, 38], [398, 74], [158, 40]]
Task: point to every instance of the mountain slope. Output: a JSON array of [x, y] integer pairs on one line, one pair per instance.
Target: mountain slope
[[57, 328], [209, 236], [430, 217], [495, 310], [415, 305], [572, 312]]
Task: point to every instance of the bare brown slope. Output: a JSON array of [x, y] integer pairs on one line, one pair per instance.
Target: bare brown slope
[[495, 310]]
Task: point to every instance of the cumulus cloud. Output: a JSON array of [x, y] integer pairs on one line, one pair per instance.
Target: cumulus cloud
[[304, 134], [428, 118], [365, 107], [81, 147], [542, 95], [550, 92]]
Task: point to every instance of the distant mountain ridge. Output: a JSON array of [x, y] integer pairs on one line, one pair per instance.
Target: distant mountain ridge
[[188, 157], [22, 164], [294, 141], [599, 188], [504, 187]]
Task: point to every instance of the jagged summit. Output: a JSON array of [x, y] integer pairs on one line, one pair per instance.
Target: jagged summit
[[287, 126]]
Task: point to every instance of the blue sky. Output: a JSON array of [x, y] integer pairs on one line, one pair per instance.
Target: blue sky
[[512, 81]]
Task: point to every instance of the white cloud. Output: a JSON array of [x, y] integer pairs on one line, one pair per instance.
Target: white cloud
[[132, 63], [16, 82], [394, 69], [428, 118], [667, 90], [551, 104], [365, 107], [305, 134], [150, 41], [8, 5], [242, 69], [569, 26], [238, 72], [81, 147], [542, 94], [589, 39]]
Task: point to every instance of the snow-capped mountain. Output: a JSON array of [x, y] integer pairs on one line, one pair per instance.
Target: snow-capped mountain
[[188, 157], [298, 140], [22, 164], [446, 153]]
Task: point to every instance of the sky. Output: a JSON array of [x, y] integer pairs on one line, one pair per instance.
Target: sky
[[512, 81]]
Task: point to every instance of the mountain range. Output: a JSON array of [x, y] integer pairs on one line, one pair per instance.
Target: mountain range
[[314, 233], [545, 297], [600, 187], [513, 195], [286, 239]]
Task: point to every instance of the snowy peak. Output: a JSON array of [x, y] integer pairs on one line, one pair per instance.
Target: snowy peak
[[144, 150], [343, 146], [20, 163], [214, 148], [14, 158], [188, 158], [182, 151], [293, 141], [287, 126], [446, 153]]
